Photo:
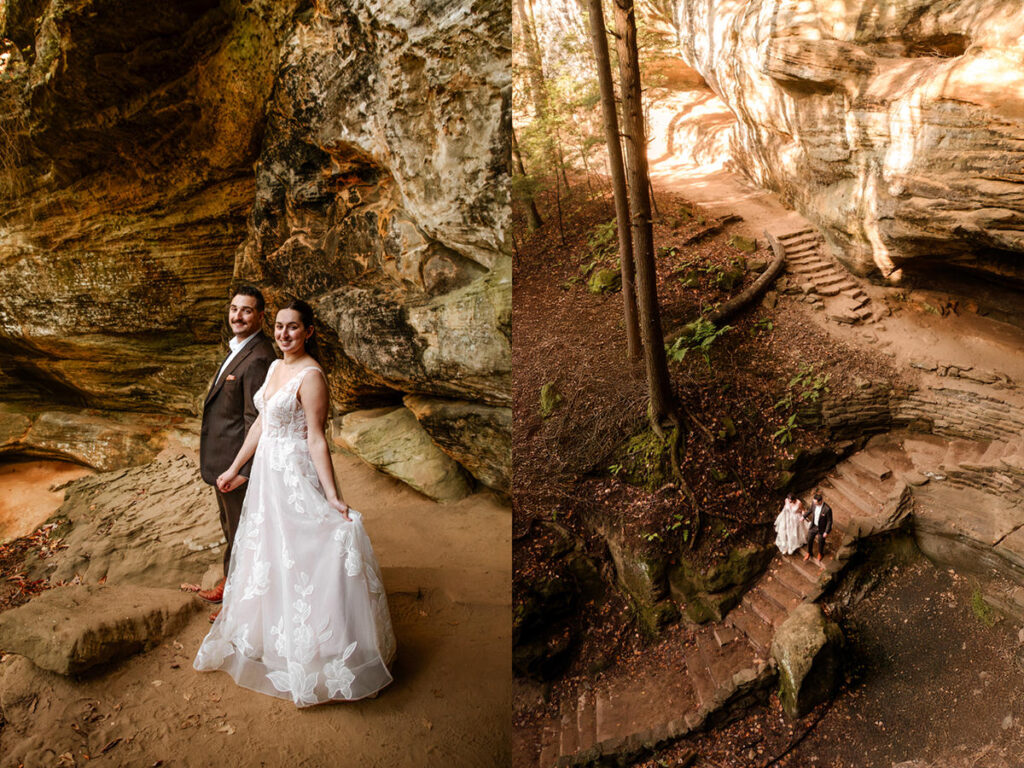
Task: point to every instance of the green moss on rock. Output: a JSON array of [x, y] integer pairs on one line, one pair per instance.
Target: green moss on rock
[[605, 281], [550, 399]]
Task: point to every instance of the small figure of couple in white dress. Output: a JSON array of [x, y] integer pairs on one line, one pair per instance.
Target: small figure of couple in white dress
[[797, 525], [304, 614]]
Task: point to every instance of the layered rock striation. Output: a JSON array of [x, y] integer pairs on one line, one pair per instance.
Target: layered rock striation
[[896, 127], [350, 154]]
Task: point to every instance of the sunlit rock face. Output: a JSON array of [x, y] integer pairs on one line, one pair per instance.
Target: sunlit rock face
[[350, 154], [128, 136], [896, 126], [382, 198]]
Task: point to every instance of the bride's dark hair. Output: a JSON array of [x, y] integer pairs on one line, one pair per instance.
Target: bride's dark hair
[[306, 316]]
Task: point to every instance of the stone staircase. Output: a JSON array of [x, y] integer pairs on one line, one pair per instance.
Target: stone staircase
[[727, 661], [818, 276]]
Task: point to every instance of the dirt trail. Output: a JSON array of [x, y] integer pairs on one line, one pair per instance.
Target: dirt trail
[[448, 573]]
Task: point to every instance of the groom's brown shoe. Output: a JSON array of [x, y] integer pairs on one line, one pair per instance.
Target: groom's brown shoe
[[214, 595]]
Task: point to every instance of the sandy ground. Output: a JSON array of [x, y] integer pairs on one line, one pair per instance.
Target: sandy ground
[[448, 573], [25, 496]]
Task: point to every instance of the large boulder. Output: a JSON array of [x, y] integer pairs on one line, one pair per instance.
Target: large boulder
[[101, 440], [808, 651], [477, 436], [392, 440], [71, 629], [894, 127], [708, 593]]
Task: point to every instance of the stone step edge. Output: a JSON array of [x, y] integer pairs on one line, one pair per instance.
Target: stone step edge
[[663, 735]]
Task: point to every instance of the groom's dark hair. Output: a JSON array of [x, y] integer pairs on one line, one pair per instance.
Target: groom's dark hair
[[249, 290]]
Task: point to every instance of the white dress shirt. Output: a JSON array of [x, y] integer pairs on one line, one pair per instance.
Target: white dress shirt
[[236, 347], [817, 513]]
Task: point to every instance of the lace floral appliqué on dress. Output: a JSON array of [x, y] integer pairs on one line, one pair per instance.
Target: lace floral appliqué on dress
[[305, 615]]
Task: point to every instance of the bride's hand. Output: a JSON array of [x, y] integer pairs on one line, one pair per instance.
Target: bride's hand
[[228, 481], [341, 506]]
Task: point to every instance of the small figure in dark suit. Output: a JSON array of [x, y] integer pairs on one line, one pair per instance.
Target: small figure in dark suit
[[819, 515], [228, 411]]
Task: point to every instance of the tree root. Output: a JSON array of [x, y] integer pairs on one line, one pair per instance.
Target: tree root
[[676, 439], [744, 298]]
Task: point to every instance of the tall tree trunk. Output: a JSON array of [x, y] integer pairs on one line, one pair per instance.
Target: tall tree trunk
[[599, 41], [533, 219], [659, 385], [534, 63]]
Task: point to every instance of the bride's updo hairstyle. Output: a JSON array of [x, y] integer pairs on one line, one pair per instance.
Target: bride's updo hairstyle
[[306, 317]]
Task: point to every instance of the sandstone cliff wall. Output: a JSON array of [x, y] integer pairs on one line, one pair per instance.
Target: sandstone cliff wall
[[895, 126], [352, 154]]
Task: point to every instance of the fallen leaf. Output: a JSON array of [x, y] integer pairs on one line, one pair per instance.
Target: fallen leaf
[[110, 746], [226, 728], [158, 683]]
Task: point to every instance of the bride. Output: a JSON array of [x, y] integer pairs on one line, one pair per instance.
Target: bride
[[305, 615], [791, 526]]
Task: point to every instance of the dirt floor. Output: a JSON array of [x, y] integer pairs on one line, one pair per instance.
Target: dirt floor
[[26, 498], [929, 679], [447, 571]]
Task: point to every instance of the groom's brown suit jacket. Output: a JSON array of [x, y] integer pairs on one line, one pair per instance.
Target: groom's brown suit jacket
[[228, 411]]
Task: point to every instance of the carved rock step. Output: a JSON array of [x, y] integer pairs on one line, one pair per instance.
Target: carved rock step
[[764, 608], [779, 593], [806, 267], [700, 678], [869, 466], [792, 243], [810, 251], [796, 579], [834, 286], [796, 233], [756, 631], [725, 635], [859, 500]]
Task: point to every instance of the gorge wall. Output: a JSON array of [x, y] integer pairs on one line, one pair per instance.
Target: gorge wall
[[897, 126], [351, 154]]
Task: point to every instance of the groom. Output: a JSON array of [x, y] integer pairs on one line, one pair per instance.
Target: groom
[[820, 518], [228, 412]]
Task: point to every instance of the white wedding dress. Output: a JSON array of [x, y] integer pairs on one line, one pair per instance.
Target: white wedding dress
[[791, 528], [305, 615]]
